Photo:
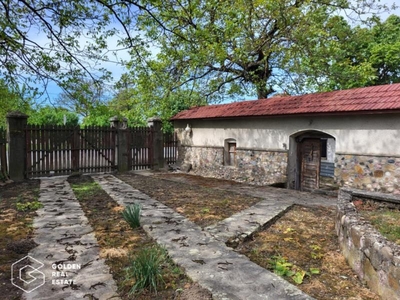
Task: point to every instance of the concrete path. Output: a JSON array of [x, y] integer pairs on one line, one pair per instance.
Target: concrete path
[[208, 261], [67, 248]]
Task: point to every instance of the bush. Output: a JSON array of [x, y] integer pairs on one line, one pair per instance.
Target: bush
[[131, 215], [146, 269]]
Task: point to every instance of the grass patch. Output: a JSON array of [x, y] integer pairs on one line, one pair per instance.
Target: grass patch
[[86, 189], [386, 221], [146, 269]]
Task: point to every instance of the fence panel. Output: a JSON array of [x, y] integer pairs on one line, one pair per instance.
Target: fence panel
[[61, 150], [3, 155], [140, 141], [170, 147]]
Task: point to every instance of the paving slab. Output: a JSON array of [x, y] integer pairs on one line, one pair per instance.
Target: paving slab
[[240, 226], [208, 261], [67, 245]]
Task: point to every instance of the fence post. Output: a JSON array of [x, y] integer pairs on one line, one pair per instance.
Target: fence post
[[16, 123], [158, 143], [122, 143]]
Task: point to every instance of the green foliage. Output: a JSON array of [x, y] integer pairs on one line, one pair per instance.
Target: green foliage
[[148, 92], [28, 206], [131, 215], [49, 115], [11, 100], [251, 47], [86, 189], [146, 269], [359, 56], [283, 268]]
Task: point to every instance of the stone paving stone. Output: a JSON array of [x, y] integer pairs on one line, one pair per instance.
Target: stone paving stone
[[241, 225], [226, 273], [65, 237]]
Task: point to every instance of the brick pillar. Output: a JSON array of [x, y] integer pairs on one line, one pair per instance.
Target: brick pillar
[[122, 143], [158, 143], [16, 123]]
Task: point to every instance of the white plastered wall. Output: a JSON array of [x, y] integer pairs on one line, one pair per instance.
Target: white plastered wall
[[377, 134]]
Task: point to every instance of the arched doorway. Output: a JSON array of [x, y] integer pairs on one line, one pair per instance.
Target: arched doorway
[[311, 158]]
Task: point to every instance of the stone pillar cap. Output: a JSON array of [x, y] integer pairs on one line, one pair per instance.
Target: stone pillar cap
[[116, 118], [17, 114], [154, 119]]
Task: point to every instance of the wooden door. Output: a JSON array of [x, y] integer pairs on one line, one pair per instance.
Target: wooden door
[[310, 156]]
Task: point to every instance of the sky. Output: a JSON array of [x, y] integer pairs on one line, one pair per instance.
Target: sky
[[117, 69]]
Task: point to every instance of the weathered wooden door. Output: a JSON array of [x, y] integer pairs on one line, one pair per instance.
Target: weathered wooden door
[[310, 157]]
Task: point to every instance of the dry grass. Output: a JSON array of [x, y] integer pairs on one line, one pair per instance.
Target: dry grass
[[306, 238], [16, 230], [385, 220]]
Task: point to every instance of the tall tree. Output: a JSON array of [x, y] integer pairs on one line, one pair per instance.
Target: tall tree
[[149, 91], [360, 56], [248, 46], [64, 41], [384, 50]]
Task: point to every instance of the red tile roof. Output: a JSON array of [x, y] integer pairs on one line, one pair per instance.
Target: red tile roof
[[360, 100]]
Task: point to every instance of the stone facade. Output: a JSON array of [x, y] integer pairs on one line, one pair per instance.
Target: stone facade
[[371, 173], [252, 166], [375, 260]]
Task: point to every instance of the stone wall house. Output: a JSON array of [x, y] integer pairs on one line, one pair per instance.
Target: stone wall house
[[351, 137]]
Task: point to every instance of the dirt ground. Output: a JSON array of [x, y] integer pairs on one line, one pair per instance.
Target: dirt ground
[[15, 230], [304, 238], [119, 243], [200, 202], [305, 241]]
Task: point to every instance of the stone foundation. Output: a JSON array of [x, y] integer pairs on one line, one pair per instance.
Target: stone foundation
[[252, 166], [375, 259], [371, 173]]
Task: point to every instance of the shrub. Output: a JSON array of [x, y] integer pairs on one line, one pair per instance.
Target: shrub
[[146, 269], [131, 215]]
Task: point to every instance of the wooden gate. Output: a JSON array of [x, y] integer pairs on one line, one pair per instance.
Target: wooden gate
[[310, 160], [61, 150], [3, 155], [140, 145], [170, 148]]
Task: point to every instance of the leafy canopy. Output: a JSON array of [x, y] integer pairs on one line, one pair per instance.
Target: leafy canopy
[[253, 47]]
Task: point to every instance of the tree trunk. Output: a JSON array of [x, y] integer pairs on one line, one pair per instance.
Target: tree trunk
[[263, 91]]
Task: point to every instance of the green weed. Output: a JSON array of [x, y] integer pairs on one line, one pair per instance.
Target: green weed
[[205, 210], [28, 206], [131, 215], [282, 267], [146, 269]]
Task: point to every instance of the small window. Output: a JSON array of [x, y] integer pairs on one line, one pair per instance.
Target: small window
[[324, 148], [230, 152]]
